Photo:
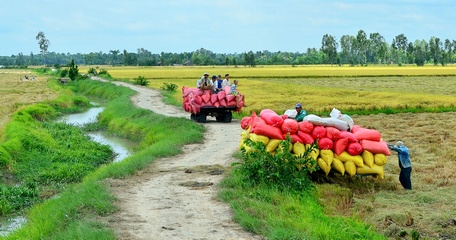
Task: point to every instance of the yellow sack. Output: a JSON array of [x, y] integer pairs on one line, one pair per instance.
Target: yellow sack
[[327, 156], [338, 165], [375, 169], [350, 168], [368, 158], [272, 145], [245, 134], [324, 166], [259, 138], [315, 153], [299, 149], [380, 159], [345, 157]]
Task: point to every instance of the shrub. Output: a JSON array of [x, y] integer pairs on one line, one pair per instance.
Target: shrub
[[141, 80], [282, 169], [73, 70], [64, 73], [104, 71], [170, 87]]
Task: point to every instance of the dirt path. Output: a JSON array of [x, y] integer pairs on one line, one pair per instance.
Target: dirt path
[[175, 198]]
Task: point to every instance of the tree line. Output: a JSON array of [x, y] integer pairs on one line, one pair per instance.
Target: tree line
[[360, 49]]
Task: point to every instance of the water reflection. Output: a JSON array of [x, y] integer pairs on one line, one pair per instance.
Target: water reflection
[[11, 225]]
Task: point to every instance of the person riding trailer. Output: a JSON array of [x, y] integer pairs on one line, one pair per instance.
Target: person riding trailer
[[205, 83]]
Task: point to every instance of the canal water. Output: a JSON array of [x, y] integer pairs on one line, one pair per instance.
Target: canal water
[[122, 147]]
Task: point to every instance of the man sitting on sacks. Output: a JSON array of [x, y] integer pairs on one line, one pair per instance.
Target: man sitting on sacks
[[205, 83]]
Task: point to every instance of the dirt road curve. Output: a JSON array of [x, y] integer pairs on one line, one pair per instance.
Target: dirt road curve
[[175, 198]]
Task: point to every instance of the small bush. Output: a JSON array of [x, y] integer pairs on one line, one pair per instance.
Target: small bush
[[170, 87], [64, 73], [282, 169], [104, 72], [141, 80]]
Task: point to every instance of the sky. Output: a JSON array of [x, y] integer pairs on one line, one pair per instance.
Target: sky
[[224, 26]]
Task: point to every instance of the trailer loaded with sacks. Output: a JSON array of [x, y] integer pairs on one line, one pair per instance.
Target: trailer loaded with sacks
[[201, 104]]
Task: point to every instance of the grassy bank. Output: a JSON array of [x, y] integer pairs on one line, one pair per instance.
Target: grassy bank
[[73, 214]]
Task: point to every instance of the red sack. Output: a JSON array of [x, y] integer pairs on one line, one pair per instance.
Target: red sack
[[254, 120], [294, 138], [325, 143], [355, 128], [340, 146], [230, 98], [271, 118], [289, 126], [197, 100], [221, 95], [196, 108], [318, 132], [284, 116], [332, 133], [306, 127], [216, 104], [222, 103], [368, 134], [245, 122], [268, 131], [349, 136], [375, 147], [214, 98], [305, 137], [354, 149]]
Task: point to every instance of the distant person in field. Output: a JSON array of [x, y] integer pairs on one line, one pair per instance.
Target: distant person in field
[[234, 91], [205, 83], [226, 81], [404, 163], [300, 113]]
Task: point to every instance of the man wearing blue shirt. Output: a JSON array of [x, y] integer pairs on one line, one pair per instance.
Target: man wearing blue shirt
[[404, 163], [300, 113]]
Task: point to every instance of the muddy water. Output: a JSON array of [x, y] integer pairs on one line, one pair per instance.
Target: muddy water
[[122, 147]]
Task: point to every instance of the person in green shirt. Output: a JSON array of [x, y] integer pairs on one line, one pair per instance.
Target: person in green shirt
[[301, 113]]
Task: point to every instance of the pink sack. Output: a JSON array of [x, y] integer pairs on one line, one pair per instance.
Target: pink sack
[[197, 92], [222, 103], [186, 91], [332, 133], [255, 119], [375, 147], [289, 126], [354, 149], [284, 116], [216, 104], [325, 143], [206, 97], [231, 103], [349, 136], [221, 95], [230, 98], [340, 146], [214, 98], [271, 118], [227, 90], [306, 127], [197, 100], [319, 132]]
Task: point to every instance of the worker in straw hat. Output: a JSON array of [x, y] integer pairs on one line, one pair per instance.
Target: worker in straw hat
[[205, 83], [404, 163]]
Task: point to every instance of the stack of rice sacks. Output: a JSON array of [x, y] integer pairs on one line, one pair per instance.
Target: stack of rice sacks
[[359, 151], [194, 99]]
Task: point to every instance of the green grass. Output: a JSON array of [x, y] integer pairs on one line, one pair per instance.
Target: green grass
[[73, 214], [281, 214]]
